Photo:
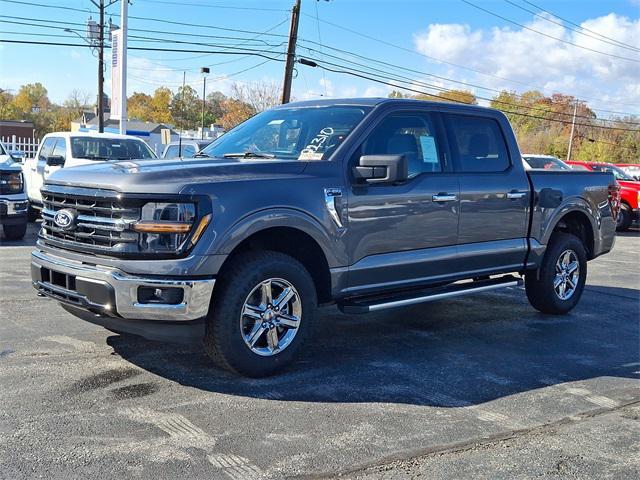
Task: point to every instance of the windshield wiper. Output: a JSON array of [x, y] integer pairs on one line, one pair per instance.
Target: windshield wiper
[[201, 155], [249, 155]]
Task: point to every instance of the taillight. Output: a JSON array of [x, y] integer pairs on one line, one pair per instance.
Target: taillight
[[614, 199]]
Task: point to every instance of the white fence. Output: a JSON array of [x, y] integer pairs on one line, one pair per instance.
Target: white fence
[[28, 145]]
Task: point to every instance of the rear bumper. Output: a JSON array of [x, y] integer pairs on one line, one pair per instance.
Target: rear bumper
[[108, 292]]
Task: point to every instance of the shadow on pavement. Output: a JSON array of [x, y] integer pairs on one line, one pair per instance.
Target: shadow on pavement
[[450, 354]]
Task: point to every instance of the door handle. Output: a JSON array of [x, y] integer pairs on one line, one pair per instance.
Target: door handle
[[515, 195], [444, 197]]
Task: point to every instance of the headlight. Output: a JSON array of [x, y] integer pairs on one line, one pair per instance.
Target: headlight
[[11, 182], [164, 227]]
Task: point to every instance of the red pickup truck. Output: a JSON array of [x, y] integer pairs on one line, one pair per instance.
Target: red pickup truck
[[629, 192]]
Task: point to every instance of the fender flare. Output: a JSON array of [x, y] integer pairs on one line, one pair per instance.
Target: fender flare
[[575, 204], [282, 217]]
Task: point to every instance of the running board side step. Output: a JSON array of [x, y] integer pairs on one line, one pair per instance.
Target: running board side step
[[403, 299]]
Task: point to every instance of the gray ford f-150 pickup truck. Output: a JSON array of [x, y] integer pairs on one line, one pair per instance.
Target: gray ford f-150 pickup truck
[[367, 203]]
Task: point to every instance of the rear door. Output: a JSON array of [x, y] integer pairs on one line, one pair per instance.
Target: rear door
[[494, 195], [405, 234]]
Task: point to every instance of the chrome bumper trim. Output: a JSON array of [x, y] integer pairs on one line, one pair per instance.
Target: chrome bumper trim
[[195, 303]]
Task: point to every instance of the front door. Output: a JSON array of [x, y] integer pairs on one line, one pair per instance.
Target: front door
[[403, 235], [494, 196], [36, 176]]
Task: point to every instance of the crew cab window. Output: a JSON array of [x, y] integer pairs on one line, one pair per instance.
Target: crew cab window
[[60, 149], [296, 133], [477, 144], [412, 134], [173, 151], [47, 147]]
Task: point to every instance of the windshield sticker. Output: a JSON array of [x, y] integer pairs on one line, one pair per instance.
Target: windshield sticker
[[309, 155], [312, 151]]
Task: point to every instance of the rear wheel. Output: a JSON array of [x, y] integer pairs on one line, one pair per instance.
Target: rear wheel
[[15, 232], [558, 285], [261, 313], [623, 222]]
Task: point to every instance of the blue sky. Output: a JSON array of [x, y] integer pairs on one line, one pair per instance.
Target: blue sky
[[507, 55]]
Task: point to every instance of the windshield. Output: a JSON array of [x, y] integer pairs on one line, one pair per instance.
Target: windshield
[[96, 148], [617, 172], [307, 133], [547, 163]]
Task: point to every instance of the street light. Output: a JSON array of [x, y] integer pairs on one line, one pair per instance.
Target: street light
[[204, 71]]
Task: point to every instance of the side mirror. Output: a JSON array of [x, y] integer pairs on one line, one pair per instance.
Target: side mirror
[[17, 156], [382, 168], [55, 160]]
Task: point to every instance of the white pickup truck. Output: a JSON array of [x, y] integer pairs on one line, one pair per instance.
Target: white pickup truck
[[73, 149]]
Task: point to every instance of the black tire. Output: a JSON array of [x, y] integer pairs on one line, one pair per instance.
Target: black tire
[[33, 214], [15, 232], [540, 285], [624, 220], [224, 341]]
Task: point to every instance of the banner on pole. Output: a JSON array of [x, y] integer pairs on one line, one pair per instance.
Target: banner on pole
[[116, 74]]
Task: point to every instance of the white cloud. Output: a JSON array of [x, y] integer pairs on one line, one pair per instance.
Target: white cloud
[[533, 59]]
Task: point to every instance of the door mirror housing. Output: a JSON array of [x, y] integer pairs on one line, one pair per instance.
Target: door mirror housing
[[55, 160], [382, 168]]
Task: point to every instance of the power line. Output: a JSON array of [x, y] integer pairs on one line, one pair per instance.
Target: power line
[[442, 89], [388, 81], [547, 35], [622, 44], [543, 17], [229, 7], [463, 67]]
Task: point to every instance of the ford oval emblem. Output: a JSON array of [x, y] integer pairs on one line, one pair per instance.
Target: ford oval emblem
[[65, 219]]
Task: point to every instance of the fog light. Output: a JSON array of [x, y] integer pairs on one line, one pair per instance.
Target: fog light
[[164, 295]]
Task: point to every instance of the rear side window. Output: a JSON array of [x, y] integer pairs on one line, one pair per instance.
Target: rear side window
[[477, 144]]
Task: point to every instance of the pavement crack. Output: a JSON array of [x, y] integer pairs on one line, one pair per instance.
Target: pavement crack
[[480, 443]]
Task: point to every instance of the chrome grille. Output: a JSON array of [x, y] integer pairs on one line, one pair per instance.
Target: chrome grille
[[102, 219]]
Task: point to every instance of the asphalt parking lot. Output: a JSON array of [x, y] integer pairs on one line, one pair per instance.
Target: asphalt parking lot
[[481, 387]]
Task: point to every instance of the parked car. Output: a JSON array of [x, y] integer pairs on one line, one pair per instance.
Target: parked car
[[187, 149], [13, 200], [629, 192], [371, 204], [632, 169], [71, 149], [544, 162]]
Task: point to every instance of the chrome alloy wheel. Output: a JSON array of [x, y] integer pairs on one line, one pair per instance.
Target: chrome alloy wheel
[[271, 316], [567, 275]]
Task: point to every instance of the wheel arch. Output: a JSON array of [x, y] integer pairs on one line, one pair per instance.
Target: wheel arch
[[579, 223], [289, 232]]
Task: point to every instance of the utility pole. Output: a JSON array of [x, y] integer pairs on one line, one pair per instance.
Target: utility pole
[[123, 69], [204, 71], [100, 67], [291, 53], [573, 127]]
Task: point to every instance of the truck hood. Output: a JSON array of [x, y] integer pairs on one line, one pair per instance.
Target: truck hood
[[7, 164], [172, 175]]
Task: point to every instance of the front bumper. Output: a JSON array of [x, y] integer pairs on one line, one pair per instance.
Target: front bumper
[[13, 209], [635, 215], [110, 292]]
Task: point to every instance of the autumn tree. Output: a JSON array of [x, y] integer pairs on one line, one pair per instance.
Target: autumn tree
[[235, 112], [186, 108], [139, 107], [260, 96]]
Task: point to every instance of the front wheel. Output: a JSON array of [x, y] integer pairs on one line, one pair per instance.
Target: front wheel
[[261, 313], [558, 285], [15, 232]]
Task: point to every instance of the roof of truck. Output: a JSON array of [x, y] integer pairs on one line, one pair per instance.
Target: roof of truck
[[373, 102], [90, 134]]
